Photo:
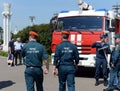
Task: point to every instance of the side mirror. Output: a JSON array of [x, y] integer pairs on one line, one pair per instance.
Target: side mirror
[[113, 23], [111, 29], [53, 23]]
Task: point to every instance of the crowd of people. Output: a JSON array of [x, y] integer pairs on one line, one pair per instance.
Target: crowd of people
[[65, 63]]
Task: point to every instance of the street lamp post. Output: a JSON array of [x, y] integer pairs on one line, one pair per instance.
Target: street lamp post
[[32, 18]]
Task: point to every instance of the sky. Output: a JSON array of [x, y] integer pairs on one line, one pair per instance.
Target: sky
[[43, 10]]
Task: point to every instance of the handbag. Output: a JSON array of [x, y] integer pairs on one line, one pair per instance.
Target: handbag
[[10, 58]]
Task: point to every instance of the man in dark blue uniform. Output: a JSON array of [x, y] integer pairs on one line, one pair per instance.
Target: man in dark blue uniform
[[33, 53], [66, 59], [115, 66], [102, 49]]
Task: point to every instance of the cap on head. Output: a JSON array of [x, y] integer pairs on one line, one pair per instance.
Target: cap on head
[[33, 33], [65, 32], [117, 36]]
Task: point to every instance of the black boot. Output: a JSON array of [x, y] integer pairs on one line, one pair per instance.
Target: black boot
[[97, 82], [108, 89], [105, 82], [116, 88]]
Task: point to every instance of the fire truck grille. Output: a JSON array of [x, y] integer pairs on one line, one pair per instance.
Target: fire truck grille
[[84, 49]]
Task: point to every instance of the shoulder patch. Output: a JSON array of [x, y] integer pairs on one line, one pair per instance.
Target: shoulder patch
[[116, 48]]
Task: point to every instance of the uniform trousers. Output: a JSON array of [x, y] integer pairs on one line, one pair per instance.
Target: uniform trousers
[[66, 74], [113, 73], [34, 75], [101, 63]]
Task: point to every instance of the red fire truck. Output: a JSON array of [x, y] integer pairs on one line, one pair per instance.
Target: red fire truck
[[85, 27]]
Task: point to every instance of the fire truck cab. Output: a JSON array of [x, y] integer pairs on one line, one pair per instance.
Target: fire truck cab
[[85, 28]]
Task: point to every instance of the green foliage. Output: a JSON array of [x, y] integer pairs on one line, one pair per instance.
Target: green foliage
[[3, 53], [44, 35]]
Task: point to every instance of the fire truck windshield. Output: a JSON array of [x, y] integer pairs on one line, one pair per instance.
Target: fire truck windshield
[[80, 23]]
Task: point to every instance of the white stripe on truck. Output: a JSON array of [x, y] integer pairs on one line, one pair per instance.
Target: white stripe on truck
[[72, 38], [79, 39]]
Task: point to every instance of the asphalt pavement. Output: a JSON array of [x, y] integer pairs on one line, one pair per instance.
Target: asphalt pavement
[[12, 79]]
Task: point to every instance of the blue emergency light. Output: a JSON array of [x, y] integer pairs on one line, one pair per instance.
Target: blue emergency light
[[64, 11], [104, 10]]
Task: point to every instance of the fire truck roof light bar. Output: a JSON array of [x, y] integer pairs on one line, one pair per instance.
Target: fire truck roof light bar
[[104, 10]]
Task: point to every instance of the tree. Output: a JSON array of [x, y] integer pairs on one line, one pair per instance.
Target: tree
[[44, 35]]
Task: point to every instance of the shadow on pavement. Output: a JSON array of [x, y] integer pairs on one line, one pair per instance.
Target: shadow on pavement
[[88, 72], [85, 72], [4, 84]]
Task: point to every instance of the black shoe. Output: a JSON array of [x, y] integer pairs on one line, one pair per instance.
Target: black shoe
[[12, 64], [108, 89], [105, 83], [116, 88], [96, 83]]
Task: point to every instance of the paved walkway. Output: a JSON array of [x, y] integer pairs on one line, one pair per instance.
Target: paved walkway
[[11, 78]]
